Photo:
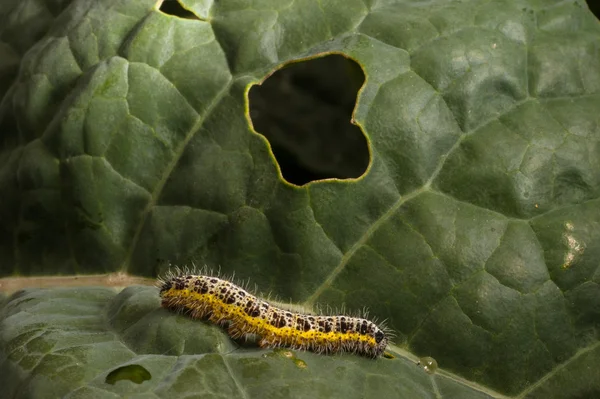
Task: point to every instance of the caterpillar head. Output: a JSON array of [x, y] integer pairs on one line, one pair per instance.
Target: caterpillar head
[[381, 341]]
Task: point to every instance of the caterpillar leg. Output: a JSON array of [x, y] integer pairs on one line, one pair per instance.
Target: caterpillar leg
[[198, 313], [234, 332], [266, 343]]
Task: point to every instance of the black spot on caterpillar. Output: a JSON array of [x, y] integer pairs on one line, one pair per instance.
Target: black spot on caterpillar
[[220, 301]]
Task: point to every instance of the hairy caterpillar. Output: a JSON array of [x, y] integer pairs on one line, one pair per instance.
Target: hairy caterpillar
[[220, 301]]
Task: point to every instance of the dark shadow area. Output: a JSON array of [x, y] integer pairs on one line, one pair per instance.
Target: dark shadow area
[[594, 6], [305, 111], [173, 7]]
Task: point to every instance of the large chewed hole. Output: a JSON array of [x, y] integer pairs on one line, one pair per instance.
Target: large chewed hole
[[132, 372], [594, 6], [305, 111], [174, 7]]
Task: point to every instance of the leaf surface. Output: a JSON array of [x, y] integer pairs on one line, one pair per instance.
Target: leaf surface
[[475, 230]]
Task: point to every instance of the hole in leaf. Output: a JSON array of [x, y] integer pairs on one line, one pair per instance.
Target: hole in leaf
[[305, 110], [173, 7], [594, 6], [133, 372]]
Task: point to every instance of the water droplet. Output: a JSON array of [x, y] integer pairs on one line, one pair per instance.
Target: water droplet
[[429, 364]]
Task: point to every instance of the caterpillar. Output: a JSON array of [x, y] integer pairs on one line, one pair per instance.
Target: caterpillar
[[222, 302]]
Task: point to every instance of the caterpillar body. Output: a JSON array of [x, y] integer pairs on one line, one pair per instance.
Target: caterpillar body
[[222, 302]]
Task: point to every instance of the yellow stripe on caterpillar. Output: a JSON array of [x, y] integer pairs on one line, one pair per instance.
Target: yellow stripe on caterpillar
[[220, 301]]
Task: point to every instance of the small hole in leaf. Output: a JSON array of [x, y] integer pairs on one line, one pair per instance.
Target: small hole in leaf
[[305, 111], [132, 372], [173, 7]]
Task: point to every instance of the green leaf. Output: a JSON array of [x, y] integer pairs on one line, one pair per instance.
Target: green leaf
[[128, 345], [126, 142]]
